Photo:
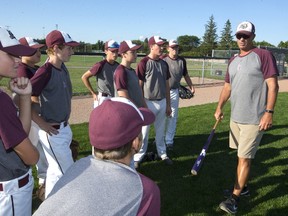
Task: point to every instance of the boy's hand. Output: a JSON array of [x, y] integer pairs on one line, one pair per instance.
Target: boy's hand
[[21, 86]]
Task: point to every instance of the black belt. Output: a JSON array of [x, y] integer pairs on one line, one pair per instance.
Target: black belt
[[105, 95], [58, 126], [21, 182]]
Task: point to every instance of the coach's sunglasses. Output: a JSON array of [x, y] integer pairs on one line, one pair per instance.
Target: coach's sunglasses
[[239, 36]]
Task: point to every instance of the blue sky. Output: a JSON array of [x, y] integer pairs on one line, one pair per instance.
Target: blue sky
[[93, 20]]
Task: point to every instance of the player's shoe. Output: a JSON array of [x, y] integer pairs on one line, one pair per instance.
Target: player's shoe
[[245, 192], [229, 205], [167, 160]]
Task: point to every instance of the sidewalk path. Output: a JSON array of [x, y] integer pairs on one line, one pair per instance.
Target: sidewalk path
[[208, 93]]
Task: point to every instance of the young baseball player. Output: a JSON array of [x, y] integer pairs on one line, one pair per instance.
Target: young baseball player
[[52, 85], [154, 76], [105, 184], [27, 68], [125, 79], [178, 69], [103, 71], [17, 153]]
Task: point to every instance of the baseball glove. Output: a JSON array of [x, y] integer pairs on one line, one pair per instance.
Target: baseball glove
[[185, 93], [74, 146]]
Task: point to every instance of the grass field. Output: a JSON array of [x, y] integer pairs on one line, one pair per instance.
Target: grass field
[[79, 64], [184, 194]]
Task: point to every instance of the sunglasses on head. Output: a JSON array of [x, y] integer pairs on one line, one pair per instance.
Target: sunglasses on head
[[239, 36]]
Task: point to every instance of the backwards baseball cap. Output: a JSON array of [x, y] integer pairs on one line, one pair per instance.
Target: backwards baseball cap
[[112, 45], [116, 122], [56, 37], [128, 45], [246, 28], [29, 41], [173, 43], [10, 45], [156, 40]]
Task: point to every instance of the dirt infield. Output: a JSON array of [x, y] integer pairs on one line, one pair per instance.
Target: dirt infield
[[207, 93]]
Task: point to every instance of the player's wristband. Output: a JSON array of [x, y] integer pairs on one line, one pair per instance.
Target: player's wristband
[[269, 111]]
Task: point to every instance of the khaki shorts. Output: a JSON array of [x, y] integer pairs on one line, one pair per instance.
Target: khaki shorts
[[245, 138]]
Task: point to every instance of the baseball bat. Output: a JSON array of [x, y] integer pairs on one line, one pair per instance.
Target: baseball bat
[[199, 161]]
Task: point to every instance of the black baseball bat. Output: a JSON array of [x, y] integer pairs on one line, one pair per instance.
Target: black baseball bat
[[199, 161]]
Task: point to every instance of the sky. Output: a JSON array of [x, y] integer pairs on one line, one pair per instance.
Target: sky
[[92, 20]]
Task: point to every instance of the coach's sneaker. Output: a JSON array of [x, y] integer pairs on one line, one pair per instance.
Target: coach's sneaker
[[245, 192], [230, 205]]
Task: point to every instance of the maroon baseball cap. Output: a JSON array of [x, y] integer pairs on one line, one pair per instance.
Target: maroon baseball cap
[[128, 45], [56, 37], [156, 40], [112, 45], [116, 122], [29, 41], [10, 45]]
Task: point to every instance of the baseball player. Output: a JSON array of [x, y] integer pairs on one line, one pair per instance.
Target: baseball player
[[104, 71], [17, 153], [52, 85], [154, 76], [178, 69], [125, 79], [27, 68]]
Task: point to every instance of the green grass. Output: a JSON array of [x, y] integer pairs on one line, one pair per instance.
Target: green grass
[[80, 64], [184, 194]]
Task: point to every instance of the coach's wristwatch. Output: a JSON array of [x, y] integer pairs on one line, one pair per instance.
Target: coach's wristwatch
[[269, 111]]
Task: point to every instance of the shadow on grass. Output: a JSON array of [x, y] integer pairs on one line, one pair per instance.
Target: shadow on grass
[[184, 194]]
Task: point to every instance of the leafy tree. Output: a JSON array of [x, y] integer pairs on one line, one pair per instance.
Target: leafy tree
[[263, 44], [210, 37], [187, 42], [226, 40], [283, 44]]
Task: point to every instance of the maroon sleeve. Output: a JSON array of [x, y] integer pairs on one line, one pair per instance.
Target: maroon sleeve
[[97, 68], [41, 78], [23, 71], [141, 68], [268, 63], [168, 71], [120, 78], [150, 204], [11, 129], [185, 72]]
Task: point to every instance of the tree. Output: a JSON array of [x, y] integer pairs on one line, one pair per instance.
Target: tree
[[263, 44], [187, 42], [210, 37], [283, 44], [226, 40]]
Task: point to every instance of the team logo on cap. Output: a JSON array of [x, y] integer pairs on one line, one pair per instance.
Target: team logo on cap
[[243, 26], [11, 34]]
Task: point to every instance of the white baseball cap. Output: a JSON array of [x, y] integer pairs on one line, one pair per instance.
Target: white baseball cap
[[173, 43], [10, 45], [246, 28]]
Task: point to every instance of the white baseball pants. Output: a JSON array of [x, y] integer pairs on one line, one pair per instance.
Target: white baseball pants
[[159, 109], [172, 120], [16, 197], [58, 153]]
